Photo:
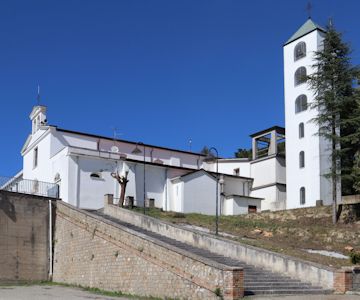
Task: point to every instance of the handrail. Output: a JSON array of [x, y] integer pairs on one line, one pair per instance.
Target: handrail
[[27, 186]]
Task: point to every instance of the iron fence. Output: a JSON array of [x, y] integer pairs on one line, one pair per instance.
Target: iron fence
[[26, 186]]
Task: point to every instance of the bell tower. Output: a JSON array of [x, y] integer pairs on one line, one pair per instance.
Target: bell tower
[[307, 153], [38, 118]]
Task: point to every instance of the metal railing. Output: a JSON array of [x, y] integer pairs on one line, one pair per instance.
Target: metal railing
[[26, 186]]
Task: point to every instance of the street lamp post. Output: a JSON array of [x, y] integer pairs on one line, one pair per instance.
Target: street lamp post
[[210, 158], [138, 151]]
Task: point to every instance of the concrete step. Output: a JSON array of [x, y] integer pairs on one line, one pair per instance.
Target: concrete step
[[258, 277], [266, 280], [281, 287], [274, 284], [287, 292]]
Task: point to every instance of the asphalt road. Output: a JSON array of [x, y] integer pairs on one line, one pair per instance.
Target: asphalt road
[[44, 292], [306, 297]]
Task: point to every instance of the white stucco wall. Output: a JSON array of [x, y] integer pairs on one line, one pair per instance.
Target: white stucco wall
[[268, 193], [235, 186], [168, 156], [199, 194], [176, 198], [239, 205], [92, 190], [264, 171], [281, 170], [228, 167]]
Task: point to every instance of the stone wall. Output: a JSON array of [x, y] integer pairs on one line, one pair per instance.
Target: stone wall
[[24, 237], [94, 252]]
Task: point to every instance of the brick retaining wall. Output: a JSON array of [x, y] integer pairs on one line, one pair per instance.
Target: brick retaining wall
[[94, 252]]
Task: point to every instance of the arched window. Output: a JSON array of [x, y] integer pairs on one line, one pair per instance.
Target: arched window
[[302, 196], [301, 130], [299, 51], [301, 103], [302, 159], [300, 75], [95, 175]]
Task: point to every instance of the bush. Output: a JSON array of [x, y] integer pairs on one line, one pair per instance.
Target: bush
[[355, 258]]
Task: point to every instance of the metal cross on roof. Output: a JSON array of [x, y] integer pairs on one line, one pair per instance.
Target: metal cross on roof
[[38, 95], [309, 9]]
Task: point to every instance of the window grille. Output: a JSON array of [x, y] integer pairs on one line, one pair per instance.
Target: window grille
[[300, 75], [301, 103], [299, 51]]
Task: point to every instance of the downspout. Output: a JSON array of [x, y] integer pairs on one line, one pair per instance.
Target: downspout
[[166, 189], [151, 154], [50, 243], [77, 183]]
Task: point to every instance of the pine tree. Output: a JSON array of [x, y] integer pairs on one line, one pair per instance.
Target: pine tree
[[356, 172], [355, 139], [335, 101], [243, 153], [206, 151]]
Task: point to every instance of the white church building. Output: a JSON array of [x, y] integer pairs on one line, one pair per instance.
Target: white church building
[[182, 181], [81, 164]]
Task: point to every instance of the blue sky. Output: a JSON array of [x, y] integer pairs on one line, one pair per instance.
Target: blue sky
[[160, 71]]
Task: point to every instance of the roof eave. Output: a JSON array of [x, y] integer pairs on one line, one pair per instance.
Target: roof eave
[[299, 37]]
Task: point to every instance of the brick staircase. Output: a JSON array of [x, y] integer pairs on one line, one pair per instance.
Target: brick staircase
[[257, 281]]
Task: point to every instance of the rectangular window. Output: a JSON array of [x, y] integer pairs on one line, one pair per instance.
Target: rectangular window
[[302, 195], [35, 160], [252, 209], [301, 130], [302, 159]]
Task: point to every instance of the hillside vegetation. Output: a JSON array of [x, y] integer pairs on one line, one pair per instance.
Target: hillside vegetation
[[289, 232]]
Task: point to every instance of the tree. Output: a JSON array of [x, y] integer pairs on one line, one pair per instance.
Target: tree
[[356, 142], [356, 172], [332, 84], [122, 180], [243, 153], [206, 151]]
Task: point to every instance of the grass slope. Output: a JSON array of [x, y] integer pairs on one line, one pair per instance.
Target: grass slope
[[288, 232]]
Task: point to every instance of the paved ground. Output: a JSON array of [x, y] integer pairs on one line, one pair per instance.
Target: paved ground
[[306, 297], [44, 292]]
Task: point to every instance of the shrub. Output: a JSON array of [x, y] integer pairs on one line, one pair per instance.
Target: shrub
[[355, 257], [218, 293]]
